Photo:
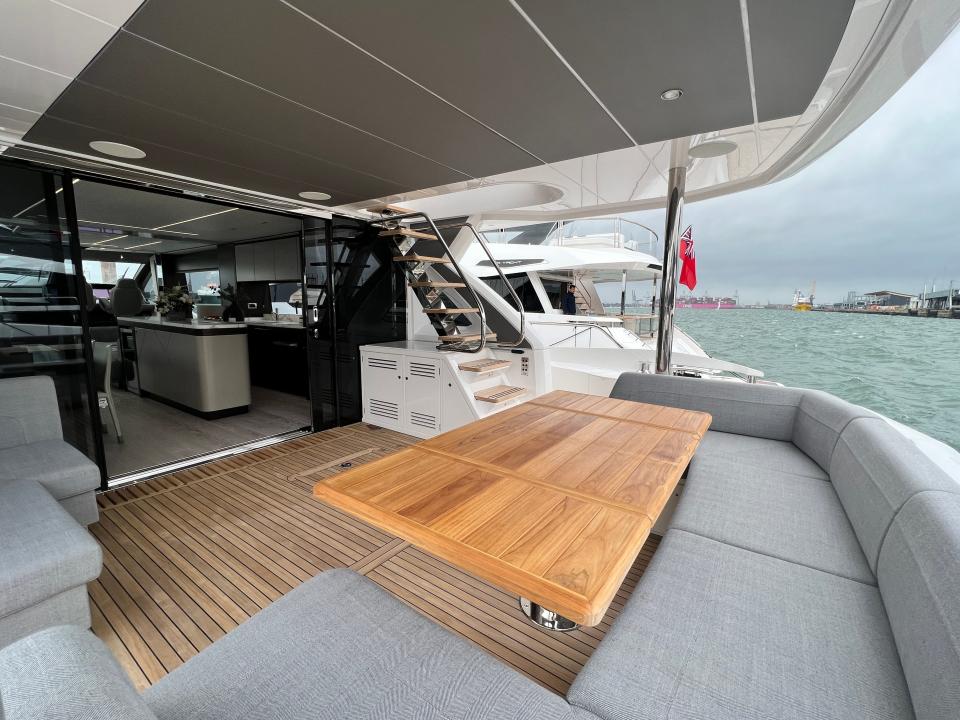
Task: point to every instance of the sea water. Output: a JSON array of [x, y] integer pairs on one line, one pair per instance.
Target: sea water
[[907, 368]]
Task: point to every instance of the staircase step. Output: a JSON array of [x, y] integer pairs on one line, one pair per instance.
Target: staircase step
[[466, 338], [436, 284], [500, 394], [450, 311], [406, 232], [421, 259], [389, 210], [482, 366]]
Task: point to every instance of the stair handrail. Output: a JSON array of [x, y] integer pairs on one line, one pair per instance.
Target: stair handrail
[[453, 261], [496, 266]]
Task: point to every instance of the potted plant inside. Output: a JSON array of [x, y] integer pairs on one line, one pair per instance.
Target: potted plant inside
[[175, 303]]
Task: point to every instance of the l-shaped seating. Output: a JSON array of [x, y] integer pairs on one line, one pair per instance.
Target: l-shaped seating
[[47, 497], [811, 570]]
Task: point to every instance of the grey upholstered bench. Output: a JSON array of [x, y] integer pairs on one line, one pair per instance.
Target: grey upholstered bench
[[32, 446], [336, 647], [46, 561], [812, 569]]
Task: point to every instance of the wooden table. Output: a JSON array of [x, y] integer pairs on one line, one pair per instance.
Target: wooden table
[[552, 499]]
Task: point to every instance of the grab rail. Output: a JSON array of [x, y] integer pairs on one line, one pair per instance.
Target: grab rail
[[496, 266], [586, 325], [453, 261]]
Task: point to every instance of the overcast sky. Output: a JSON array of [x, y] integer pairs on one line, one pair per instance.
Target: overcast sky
[[881, 210]]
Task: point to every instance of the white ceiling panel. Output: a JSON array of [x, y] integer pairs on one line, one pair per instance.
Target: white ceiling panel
[[28, 87], [44, 45], [16, 120], [115, 12], [50, 36]]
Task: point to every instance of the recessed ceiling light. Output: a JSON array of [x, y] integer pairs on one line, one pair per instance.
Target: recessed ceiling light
[[713, 148], [671, 94], [118, 149], [313, 195]]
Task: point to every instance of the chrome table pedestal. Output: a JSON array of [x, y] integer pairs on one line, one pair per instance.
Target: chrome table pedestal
[[546, 619]]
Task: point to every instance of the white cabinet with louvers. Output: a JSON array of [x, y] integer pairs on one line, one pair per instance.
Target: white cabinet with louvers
[[382, 384], [401, 392]]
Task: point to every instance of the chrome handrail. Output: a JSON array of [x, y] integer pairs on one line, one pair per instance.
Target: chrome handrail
[[496, 266], [587, 324], [555, 236], [453, 261]]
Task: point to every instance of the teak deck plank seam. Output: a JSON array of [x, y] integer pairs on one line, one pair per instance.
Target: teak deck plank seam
[[190, 555]]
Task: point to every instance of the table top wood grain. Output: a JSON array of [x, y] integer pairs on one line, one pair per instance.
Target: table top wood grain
[[551, 499]]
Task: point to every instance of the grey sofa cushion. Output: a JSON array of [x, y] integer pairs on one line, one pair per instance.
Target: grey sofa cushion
[[875, 470], [791, 517], [919, 577], [339, 646], [28, 411], [43, 551], [65, 673], [63, 470], [758, 452], [71, 607], [821, 418], [765, 411], [714, 631]]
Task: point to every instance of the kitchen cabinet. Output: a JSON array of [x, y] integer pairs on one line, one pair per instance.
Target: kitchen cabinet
[[245, 262], [269, 260], [286, 259]]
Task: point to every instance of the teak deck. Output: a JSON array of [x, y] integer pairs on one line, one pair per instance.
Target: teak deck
[[189, 556], [552, 499]]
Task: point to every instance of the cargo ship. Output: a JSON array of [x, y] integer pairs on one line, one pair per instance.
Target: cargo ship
[[803, 303], [707, 303]]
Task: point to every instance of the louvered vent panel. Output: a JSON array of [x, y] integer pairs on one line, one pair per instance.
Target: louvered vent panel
[[423, 420], [385, 409], [426, 370], [382, 363]]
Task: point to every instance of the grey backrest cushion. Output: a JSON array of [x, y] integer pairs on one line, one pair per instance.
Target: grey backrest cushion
[[765, 411], [821, 417], [28, 411], [875, 469], [65, 673], [919, 580]]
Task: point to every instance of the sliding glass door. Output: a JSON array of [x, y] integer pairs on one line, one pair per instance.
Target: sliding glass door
[[44, 300]]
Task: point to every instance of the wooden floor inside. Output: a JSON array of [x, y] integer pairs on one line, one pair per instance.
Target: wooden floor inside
[[189, 556]]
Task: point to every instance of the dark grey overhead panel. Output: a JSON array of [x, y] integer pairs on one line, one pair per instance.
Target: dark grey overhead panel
[[72, 137], [793, 44], [629, 51], [275, 47], [485, 58], [125, 206], [141, 91], [95, 108], [242, 225], [155, 215]]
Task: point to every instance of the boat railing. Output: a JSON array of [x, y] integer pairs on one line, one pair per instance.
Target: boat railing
[[581, 327], [595, 232]]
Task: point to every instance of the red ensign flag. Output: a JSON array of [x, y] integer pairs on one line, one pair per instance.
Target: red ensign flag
[[688, 271]]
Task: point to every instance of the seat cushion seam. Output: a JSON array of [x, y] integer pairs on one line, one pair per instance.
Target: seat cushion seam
[[775, 557]]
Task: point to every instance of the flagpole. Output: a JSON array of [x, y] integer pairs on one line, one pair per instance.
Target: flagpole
[[676, 183]]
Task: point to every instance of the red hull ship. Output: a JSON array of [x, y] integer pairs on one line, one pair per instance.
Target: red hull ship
[[707, 303]]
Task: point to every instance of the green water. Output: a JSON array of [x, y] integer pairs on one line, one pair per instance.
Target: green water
[[906, 368]]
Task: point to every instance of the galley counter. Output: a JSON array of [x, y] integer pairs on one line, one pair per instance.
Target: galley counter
[[198, 366]]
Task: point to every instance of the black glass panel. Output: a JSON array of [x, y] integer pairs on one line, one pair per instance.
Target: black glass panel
[[43, 297], [357, 297]]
